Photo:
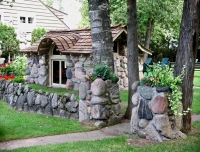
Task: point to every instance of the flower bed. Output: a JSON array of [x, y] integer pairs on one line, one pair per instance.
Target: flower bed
[[13, 71]]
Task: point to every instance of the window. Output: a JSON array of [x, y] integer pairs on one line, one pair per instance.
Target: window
[[30, 20], [26, 21], [22, 19]]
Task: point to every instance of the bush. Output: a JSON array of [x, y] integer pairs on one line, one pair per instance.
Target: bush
[[37, 33], [19, 66], [18, 79], [104, 72], [9, 42]]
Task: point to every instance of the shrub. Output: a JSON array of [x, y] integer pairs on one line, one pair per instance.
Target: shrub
[[18, 79], [102, 71], [9, 42], [37, 33]]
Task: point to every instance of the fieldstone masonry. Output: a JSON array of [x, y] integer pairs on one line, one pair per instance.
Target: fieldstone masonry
[[151, 116], [99, 103], [77, 67], [27, 99]]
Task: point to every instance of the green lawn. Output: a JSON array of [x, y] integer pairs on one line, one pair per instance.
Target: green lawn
[[196, 101], [60, 91], [197, 78], [17, 124], [121, 144]]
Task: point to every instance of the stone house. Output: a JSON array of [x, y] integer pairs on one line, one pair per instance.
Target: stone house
[[25, 15], [62, 58]]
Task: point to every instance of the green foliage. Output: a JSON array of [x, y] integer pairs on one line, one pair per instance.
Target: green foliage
[[9, 41], [60, 91], [84, 10], [166, 16], [162, 75], [18, 79], [118, 10], [19, 66], [37, 33], [103, 71]]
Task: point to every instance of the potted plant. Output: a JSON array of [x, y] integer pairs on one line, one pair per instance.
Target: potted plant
[[102, 71], [162, 77]]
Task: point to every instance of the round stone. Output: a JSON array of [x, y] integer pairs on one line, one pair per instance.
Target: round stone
[[68, 73], [159, 104], [143, 123], [98, 87], [135, 99]]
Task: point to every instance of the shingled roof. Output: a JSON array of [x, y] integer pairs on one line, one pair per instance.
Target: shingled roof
[[69, 41]]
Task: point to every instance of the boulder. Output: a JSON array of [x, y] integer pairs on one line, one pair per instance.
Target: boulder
[[144, 112], [162, 124], [145, 92], [82, 91], [83, 111], [159, 104], [98, 87]]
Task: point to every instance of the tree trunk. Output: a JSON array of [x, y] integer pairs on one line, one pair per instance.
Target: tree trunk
[[186, 54], [102, 43], [133, 67], [148, 35]]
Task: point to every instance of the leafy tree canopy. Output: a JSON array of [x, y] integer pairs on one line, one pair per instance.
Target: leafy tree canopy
[[37, 33], [166, 16], [9, 41]]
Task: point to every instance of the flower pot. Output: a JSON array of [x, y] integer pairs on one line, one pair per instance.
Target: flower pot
[[162, 88]]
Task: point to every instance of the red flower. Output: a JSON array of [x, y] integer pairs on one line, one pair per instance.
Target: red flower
[[146, 83], [148, 79]]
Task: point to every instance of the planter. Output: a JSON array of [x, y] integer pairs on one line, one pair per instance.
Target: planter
[[162, 88]]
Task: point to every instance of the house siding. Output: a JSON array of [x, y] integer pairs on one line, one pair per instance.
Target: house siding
[[43, 17]]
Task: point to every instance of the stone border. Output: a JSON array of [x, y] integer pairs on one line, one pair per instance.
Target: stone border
[[29, 100]]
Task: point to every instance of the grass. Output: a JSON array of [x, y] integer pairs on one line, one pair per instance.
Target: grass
[[60, 91], [197, 78], [17, 124], [124, 100], [196, 101], [121, 144]]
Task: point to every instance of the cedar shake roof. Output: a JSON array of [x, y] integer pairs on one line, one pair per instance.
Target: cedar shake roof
[[69, 41]]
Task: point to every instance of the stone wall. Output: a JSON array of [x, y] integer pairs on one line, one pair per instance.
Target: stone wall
[[99, 103], [77, 67], [37, 69], [27, 99], [151, 116], [121, 71]]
